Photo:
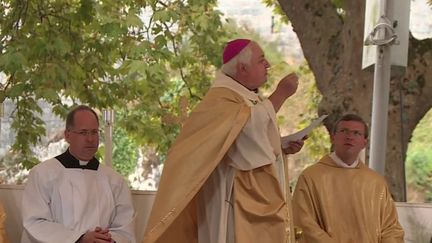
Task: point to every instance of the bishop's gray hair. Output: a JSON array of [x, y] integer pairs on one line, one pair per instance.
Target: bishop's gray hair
[[244, 57]]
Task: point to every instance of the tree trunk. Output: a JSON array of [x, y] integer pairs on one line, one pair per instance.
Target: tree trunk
[[332, 44]]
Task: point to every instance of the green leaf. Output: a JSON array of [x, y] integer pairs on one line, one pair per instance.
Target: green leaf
[[161, 16], [16, 90], [103, 54], [133, 20], [49, 94]]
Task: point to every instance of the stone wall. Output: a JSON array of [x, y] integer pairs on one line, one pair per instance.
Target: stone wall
[[416, 219]]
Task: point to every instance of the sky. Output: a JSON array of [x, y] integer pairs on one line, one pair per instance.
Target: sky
[[256, 15], [421, 19]]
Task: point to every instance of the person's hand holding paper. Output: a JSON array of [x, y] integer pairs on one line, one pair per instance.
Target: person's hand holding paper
[[300, 135], [293, 147]]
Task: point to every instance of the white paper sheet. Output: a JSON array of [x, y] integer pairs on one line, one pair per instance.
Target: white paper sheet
[[302, 133]]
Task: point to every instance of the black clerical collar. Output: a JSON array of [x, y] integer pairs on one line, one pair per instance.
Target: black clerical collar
[[70, 162]]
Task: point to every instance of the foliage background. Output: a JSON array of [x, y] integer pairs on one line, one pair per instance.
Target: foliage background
[[151, 60], [419, 162]]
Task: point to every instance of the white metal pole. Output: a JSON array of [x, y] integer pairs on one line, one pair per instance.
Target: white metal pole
[[109, 123], [380, 98]]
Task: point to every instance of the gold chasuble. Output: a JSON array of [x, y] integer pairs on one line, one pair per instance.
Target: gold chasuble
[[201, 170], [345, 205], [3, 235]]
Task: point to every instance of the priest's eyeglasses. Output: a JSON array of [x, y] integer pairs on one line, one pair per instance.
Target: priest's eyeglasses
[[86, 133], [354, 133]]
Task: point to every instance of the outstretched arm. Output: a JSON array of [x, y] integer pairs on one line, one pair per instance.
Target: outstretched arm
[[286, 87]]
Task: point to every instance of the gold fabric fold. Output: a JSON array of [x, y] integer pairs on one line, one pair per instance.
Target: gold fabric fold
[[258, 199], [205, 138], [3, 235]]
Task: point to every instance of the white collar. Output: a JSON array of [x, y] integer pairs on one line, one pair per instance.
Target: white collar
[[81, 162], [223, 80], [339, 162]]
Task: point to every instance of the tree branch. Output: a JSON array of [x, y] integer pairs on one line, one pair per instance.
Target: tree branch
[[320, 37]]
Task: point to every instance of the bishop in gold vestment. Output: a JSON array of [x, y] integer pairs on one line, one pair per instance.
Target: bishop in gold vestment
[[225, 178]]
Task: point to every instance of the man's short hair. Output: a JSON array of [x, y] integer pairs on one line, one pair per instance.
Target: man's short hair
[[244, 57], [352, 117], [71, 114]]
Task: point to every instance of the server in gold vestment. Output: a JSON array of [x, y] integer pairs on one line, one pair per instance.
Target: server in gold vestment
[[340, 200]]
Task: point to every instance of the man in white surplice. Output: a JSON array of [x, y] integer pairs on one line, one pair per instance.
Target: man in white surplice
[[72, 197]]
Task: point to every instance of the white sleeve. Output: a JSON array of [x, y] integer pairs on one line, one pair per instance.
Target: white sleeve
[[122, 226], [37, 216], [253, 148]]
